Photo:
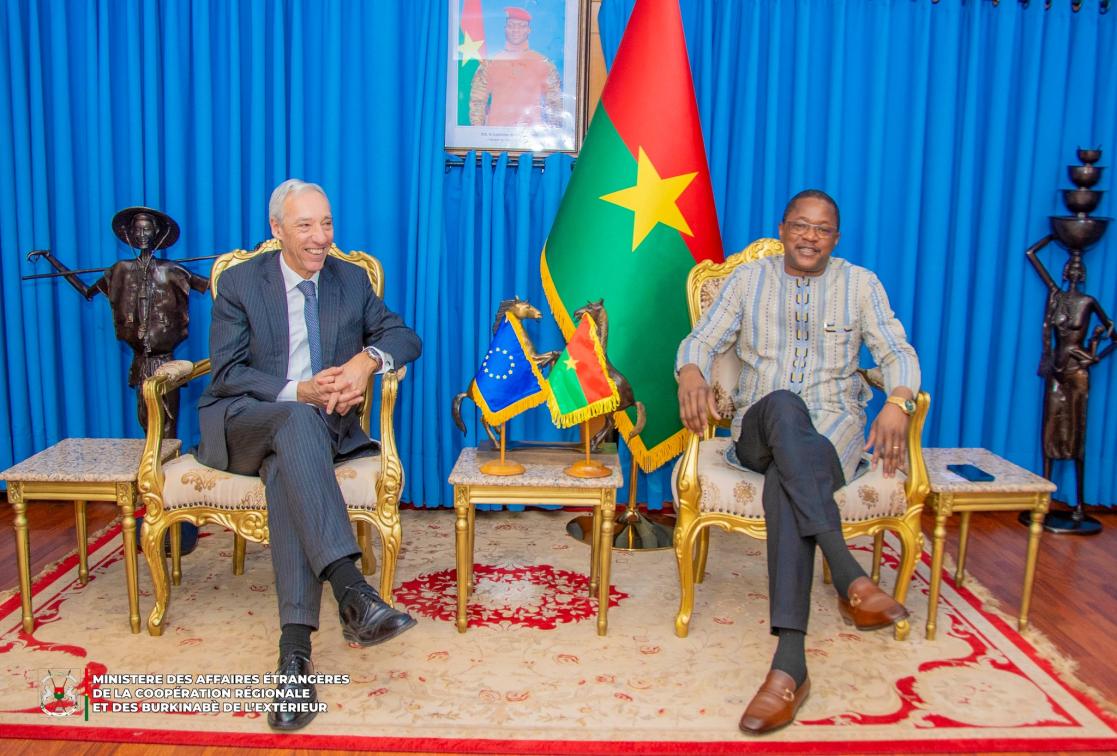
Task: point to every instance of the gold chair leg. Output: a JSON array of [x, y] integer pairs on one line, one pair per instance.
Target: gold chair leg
[[364, 540], [176, 553], [911, 548], [963, 542], [151, 536], [688, 539], [83, 542], [390, 543], [238, 554], [878, 550], [826, 578], [700, 556]]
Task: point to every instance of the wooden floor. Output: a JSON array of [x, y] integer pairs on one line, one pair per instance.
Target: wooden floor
[[1074, 602]]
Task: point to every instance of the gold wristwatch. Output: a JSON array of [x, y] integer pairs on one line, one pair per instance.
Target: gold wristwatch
[[907, 405]]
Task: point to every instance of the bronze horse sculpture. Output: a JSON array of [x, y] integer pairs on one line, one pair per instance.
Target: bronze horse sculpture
[[521, 310], [596, 311]]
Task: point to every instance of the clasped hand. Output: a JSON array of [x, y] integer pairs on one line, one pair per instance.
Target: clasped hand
[[341, 388]]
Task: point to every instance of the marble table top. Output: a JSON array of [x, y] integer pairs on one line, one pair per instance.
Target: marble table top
[[542, 468], [86, 460], [1007, 477]]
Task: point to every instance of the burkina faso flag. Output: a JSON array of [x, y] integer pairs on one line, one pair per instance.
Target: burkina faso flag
[[637, 215], [471, 51], [579, 386]]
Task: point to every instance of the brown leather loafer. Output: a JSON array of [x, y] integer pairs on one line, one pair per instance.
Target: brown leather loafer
[[868, 607], [775, 704]]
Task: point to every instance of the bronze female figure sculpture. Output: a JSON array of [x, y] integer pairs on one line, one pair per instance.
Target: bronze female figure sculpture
[[149, 298], [1070, 347]]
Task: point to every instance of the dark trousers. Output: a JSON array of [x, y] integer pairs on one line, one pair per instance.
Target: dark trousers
[[801, 473], [293, 449]]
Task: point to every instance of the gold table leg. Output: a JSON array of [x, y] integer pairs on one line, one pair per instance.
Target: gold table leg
[[125, 499], [83, 542], [1035, 529], [595, 552], [462, 540], [939, 542], [23, 553], [605, 550], [963, 543]]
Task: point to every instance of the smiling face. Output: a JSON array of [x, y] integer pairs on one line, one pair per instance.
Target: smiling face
[[809, 234], [306, 230], [142, 231]]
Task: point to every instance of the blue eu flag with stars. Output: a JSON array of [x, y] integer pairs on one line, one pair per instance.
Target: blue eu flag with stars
[[508, 382]]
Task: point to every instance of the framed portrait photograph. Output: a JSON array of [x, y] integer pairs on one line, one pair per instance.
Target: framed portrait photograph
[[516, 75]]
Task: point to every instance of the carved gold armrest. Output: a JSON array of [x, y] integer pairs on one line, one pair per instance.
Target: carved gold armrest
[[390, 484], [168, 377], [918, 484]]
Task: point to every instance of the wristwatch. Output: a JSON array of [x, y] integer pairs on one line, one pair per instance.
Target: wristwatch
[[907, 405], [372, 353]]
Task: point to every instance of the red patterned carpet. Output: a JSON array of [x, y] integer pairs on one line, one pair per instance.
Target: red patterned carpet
[[530, 675]]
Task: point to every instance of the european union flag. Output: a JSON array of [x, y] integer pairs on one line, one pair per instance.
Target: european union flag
[[508, 382]]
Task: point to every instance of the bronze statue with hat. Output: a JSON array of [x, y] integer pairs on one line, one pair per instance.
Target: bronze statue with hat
[[149, 298]]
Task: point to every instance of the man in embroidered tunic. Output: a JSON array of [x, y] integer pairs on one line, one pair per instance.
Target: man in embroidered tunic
[[798, 323]]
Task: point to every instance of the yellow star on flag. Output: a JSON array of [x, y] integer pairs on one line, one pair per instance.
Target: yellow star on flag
[[571, 363], [653, 200], [469, 48]]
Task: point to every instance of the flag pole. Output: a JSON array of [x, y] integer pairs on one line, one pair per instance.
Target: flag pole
[[502, 466], [588, 467]]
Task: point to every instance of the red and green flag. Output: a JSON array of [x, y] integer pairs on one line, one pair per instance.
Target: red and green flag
[[579, 383], [637, 215], [471, 51]]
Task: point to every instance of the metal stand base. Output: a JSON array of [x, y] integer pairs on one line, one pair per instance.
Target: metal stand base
[[635, 531], [1064, 523]]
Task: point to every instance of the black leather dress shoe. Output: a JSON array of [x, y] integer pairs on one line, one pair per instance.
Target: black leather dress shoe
[[295, 699], [366, 620]]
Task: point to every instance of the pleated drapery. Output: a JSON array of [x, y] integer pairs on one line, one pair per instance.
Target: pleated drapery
[[941, 128]]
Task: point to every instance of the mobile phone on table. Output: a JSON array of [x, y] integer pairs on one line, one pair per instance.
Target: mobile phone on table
[[972, 473]]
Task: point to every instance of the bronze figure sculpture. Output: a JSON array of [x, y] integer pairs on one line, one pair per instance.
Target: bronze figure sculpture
[[1070, 347], [149, 298]]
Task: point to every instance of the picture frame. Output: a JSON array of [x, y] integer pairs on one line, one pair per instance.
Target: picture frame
[[516, 75]]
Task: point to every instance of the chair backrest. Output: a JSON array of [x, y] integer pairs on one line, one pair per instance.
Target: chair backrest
[[702, 287], [370, 264]]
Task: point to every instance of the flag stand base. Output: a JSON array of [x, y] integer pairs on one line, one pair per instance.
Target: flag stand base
[[634, 531], [501, 467], [586, 468]]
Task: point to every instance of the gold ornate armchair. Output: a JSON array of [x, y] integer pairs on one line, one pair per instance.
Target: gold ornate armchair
[[184, 490], [709, 492]]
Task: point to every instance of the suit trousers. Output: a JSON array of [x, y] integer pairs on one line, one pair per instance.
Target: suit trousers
[[801, 473], [293, 448]]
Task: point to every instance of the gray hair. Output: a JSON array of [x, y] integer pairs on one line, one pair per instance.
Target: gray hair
[[285, 190]]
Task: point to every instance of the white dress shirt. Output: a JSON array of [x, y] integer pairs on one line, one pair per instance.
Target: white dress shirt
[[298, 347]]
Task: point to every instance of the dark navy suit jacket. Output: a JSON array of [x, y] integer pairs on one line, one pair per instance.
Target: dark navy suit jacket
[[248, 342]]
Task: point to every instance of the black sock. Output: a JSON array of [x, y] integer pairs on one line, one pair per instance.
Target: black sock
[[844, 569], [295, 638], [342, 573], [791, 657]]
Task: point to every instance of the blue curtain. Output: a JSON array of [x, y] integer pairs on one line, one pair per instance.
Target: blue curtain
[[942, 129]]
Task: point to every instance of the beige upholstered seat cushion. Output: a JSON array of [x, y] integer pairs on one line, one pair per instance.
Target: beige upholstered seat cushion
[[190, 484], [727, 490]]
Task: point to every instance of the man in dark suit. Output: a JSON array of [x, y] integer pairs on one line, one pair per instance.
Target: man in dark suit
[[296, 336]]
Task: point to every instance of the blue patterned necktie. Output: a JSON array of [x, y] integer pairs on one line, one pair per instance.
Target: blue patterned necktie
[[313, 330]]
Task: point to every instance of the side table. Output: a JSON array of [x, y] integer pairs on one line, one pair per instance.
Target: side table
[[81, 470], [543, 482], [1013, 489]]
